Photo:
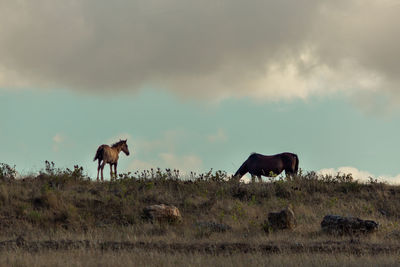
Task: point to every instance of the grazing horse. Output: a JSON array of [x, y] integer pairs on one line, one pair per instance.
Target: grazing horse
[[106, 154], [258, 165]]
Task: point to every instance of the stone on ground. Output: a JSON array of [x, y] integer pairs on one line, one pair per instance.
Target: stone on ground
[[162, 213], [284, 219], [335, 224]]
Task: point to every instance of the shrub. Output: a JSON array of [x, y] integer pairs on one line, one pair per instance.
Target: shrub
[[7, 172]]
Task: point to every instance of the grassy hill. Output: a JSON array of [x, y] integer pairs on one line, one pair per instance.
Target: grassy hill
[[65, 205]]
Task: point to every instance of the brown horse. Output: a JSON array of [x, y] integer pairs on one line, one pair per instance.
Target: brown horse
[[258, 165], [106, 154]]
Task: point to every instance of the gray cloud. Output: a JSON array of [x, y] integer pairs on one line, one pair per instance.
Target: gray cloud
[[213, 49]]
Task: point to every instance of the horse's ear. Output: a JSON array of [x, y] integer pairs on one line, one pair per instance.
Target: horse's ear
[[126, 140]]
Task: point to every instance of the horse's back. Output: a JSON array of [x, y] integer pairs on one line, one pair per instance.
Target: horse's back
[[264, 164], [287, 157], [260, 157], [254, 156], [101, 150], [288, 154], [259, 164], [110, 154]]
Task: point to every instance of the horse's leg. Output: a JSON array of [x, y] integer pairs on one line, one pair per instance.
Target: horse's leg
[[115, 170], [289, 173], [98, 170], [111, 174], [102, 168], [253, 178], [259, 178]]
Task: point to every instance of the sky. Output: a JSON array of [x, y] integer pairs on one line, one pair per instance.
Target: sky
[[199, 85]]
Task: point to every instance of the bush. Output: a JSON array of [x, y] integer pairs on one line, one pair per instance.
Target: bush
[[7, 172]]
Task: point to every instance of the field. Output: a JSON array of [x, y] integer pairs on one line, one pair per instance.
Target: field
[[63, 218]]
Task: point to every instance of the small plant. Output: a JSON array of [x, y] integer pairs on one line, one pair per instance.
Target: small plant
[[267, 227], [332, 202], [125, 176], [50, 168], [238, 211], [272, 174], [34, 216], [221, 216], [253, 200], [76, 173], [7, 172], [149, 185]]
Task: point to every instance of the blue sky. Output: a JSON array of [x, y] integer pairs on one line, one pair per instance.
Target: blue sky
[[166, 131], [198, 85]]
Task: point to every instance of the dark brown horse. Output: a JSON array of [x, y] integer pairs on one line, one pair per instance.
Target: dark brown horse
[[258, 165], [106, 154]]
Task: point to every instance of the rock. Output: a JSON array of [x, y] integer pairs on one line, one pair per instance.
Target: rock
[[284, 219], [162, 213], [335, 224], [213, 226]]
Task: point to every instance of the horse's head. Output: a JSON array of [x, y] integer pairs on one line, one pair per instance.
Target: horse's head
[[124, 147]]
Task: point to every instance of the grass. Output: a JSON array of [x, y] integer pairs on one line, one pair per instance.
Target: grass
[[65, 205], [145, 258]]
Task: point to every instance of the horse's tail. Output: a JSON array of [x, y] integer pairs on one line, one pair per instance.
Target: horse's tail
[[241, 171], [296, 166], [99, 153]]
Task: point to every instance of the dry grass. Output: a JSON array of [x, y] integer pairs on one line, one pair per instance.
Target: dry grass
[[66, 205], [145, 258]]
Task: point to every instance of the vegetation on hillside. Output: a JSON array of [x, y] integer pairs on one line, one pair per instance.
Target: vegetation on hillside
[[65, 198], [59, 204]]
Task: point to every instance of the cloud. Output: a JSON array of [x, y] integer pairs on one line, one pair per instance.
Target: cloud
[[219, 136], [359, 175], [267, 50], [58, 140], [164, 152], [166, 142], [184, 163]]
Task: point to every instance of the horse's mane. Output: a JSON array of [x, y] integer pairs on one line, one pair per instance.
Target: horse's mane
[[118, 143]]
